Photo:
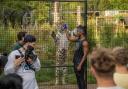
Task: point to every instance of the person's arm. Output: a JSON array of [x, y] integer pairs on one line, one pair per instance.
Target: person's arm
[[85, 49], [35, 65], [12, 64], [71, 38]]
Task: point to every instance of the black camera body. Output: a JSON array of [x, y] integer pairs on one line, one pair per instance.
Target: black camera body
[[29, 54]]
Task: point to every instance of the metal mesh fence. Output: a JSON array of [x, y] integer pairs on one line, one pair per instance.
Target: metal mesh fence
[[107, 26], [41, 18]]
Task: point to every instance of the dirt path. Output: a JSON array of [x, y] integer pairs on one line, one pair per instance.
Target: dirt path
[[90, 86]]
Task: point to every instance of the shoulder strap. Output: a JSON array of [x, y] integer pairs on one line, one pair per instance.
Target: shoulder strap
[[20, 53]]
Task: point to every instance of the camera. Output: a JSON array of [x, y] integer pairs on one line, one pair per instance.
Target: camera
[[29, 54]]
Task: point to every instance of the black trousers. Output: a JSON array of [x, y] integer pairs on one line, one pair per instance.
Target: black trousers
[[80, 76]]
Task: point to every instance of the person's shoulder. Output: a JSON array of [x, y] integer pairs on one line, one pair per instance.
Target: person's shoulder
[[116, 87], [85, 42], [16, 46], [119, 87], [121, 74], [14, 52]]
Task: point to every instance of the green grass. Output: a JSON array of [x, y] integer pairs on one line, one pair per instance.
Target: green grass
[[47, 75]]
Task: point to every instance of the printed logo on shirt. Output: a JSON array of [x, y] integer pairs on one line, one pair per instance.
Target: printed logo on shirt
[[26, 68]]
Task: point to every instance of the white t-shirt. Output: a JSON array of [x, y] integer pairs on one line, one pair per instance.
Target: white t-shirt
[[116, 87], [28, 75]]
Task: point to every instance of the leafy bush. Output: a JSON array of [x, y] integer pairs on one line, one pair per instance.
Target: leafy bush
[[7, 39], [106, 35], [91, 37]]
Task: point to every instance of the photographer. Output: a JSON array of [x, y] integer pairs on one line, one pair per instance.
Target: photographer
[[24, 62]]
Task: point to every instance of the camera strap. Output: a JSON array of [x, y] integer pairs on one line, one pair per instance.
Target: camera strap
[[20, 53]]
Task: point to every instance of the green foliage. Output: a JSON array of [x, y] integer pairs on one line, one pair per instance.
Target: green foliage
[[46, 74], [7, 39], [120, 40], [106, 35], [119, 4], [90, 79], [91, 37], [108, 5]]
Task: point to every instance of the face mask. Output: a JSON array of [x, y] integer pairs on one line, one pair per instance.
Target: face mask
[[30, 48]]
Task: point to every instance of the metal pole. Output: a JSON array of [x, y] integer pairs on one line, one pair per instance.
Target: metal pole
[[78, 15], [85, 13], [56, 13], [85, 23]]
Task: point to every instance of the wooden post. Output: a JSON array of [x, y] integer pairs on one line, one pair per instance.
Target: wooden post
[[96, 28], [78, 15], [56, 13]]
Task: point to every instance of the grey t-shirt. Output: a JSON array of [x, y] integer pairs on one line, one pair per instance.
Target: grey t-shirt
[[28, 75]]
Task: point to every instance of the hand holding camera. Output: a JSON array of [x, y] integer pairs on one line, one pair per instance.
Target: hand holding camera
[[18, 61], [30, 57]]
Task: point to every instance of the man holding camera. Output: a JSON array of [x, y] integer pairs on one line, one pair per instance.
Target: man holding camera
[[24, 62]]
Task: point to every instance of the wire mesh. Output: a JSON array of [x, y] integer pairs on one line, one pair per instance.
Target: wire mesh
[[107, 26]]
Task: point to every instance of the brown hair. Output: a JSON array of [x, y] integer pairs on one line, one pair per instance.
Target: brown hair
[[121, 55], [103, 62], [20, 35]]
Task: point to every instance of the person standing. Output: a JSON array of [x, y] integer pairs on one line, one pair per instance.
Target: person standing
[[80, 55], [20, 42], [25, 63], [103, 67], [121, 71]]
